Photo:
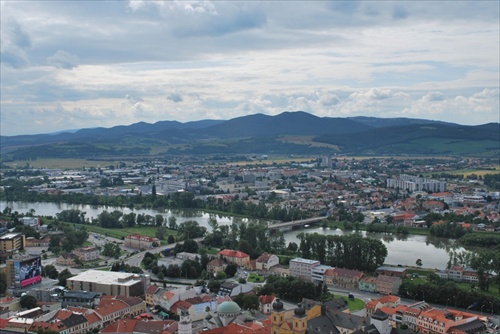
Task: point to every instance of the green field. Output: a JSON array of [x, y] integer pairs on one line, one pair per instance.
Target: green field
[[148, 231], [354, 305], [256, 278]]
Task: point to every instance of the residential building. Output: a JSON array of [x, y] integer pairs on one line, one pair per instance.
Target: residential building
[[459, 274], [265, 303], [241, 259], [86, 254], [67, 259], [11, 242], [80, 298], [150, 294], [368, 284], [344, 278], [216, 265], [318, 273], [302, 268], [140, 241], [388, 285], [266, 261], [33, 222], [233, 289], [416, 183]]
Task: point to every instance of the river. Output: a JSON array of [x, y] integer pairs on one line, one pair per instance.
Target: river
[[402, 249]]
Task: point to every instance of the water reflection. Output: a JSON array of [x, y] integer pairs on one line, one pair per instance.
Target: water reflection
[[403, 249]]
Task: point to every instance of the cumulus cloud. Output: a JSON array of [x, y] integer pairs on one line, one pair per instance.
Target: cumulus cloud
[[63, 59], [433, 96]]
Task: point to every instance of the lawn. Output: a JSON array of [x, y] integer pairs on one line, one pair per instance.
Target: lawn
[[119, 233], [256, 278], [354, 305]]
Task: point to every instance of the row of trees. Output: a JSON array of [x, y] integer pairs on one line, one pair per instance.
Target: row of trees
[[344, 251], [252, 238], [439, 291]]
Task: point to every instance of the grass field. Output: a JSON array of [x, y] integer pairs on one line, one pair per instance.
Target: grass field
[[148, 231], [478, 172], [256, 278], [62, 163], [354, 305]]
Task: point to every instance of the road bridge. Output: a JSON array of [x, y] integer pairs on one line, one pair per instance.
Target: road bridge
[[297, 222]]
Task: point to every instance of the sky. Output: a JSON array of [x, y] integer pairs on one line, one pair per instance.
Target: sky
[[81, 64]]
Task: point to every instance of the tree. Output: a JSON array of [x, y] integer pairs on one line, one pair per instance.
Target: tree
[[247, 301], [190, 246], [159, 220], [28, 302], [105, 183], [419, 262], [63, 276], [172, 223], [3, 282], [50, 271], [161, 232], [231, 270]]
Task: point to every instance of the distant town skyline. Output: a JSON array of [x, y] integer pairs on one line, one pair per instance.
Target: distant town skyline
[[84, 64]]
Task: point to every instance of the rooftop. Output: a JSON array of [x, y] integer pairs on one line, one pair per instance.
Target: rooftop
[[106, 277]]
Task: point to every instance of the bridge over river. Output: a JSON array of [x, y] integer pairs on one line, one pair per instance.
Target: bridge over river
[[297, 222]]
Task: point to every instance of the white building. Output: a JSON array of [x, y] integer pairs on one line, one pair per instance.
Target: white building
[[302, 268], [415, 183]]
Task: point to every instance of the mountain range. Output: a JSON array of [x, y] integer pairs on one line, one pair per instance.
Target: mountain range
[[287, 133]]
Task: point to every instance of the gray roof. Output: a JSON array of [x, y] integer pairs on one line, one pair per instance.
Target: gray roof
[[396, 269]]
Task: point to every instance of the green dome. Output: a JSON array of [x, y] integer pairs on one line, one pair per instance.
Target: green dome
[[228, 307]]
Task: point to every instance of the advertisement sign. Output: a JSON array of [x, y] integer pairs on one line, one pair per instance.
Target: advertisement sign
[[28, 272]]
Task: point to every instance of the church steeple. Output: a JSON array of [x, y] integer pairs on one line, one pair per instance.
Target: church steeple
[[185, 323], [299, 320], [277, 316]]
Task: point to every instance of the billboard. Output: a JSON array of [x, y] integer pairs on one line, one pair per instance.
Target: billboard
[[28, 272]]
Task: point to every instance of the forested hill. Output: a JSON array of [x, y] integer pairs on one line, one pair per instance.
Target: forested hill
[[287, 133]]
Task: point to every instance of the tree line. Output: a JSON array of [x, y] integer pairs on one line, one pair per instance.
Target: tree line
[[344, 251]]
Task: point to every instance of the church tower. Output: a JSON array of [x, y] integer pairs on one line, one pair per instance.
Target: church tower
[[185, 323], [277, 316], [299, 320]]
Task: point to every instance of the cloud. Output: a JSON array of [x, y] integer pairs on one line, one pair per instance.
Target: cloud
[[62, 59], [175, 97], [188, 60], [15, 44], [433, 97]]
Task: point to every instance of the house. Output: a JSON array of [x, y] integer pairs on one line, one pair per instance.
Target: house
[[266, 261], [86, 254], [368, 284], [150, 293], [216, 265], [241, 259], [67, 259], [388, 285], [140, 241], [233, 289], [344, 278], [386, 301], [265, 303]]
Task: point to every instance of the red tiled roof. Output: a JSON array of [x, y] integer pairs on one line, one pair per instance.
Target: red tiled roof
[[152, 289], [233, 253], [266, 299]]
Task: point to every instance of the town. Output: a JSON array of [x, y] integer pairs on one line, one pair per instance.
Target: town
[[67, 273]]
